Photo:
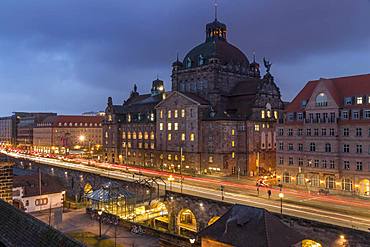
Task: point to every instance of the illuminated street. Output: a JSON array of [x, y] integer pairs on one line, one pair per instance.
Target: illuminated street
[[343, 211]]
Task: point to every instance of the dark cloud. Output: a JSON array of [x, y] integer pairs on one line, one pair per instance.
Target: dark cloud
[[69, 56]]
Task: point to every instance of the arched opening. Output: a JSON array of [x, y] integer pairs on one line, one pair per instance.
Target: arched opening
[[300, 179], [364, 187], [159, 212], [286, 177], [346, 184], [310, 243], [213, 220], [330, 182], [321, 100], [186, 222]]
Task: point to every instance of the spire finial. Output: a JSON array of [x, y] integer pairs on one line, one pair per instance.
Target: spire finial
[[254, 56], [216, 5], [177, 57], [157, 77]]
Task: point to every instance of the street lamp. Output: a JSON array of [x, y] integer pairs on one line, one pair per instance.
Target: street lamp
[[181, 181], [192, 240], [222, 188], [171, 178], [281, 196], [100, 213]]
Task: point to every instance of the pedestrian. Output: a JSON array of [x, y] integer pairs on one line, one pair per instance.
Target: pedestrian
[[269, 193]]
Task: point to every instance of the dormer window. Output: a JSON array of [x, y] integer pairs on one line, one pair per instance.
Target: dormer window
[[188, 62], [303, 103], [359, 100], [321, 100], [348, 101], [200, 60]]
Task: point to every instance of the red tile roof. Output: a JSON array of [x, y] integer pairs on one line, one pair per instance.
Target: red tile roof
[[339, 88]]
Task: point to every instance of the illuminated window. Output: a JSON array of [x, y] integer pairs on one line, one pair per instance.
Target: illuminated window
[[169, 126], [129, 118], [257, 127], [169, 136], [161, 114], [129, 144], [192, 137], [140, 135], [140, 145], [110, 118], [183, 137], [123, 135], [210, 159], [176, 114], [106, 134], [134, 135], [276, 115], [262, 114], [176, 157], [176, 126], [268, 113], [169, 114], [233, 155], [359, 100], [152, 135], [146, 136], [232, 132], [321, 100], [152, 146], [233, 143], [182, 112], [129, 135], [152, 116], [160, 126], [169, 157], [183, 158]]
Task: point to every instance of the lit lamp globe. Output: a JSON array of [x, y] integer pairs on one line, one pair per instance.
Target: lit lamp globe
[[82, 138], [100, 212], [281, 195]]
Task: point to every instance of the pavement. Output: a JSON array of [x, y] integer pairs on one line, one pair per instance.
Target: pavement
[[78, 221]]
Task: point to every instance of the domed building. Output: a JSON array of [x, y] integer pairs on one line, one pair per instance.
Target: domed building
[[218, 118], [227, 111]]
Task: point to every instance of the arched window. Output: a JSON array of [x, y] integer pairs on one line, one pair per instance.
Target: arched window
[[315, 181], [330, 182], [300, 179], [200, 60], [188, 62], [346, 184], [286, 177], [321, 100], [327, 147]]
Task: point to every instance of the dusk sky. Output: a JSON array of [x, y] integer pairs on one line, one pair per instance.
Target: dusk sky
[[68, 56]]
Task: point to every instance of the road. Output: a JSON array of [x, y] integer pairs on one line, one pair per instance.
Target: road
[[337, 210]]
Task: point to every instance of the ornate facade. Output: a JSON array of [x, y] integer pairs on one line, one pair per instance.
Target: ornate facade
[[324, 139], [218, 118]]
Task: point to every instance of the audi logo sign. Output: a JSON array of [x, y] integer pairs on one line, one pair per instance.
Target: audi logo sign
[[42, 201]]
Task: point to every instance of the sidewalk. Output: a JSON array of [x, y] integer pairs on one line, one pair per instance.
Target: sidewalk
[[79, 221]]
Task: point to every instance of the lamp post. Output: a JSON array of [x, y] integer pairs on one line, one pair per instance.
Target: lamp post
[[181, 180], [170, 179], [100, 213], [281, 196], [222, 188]]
